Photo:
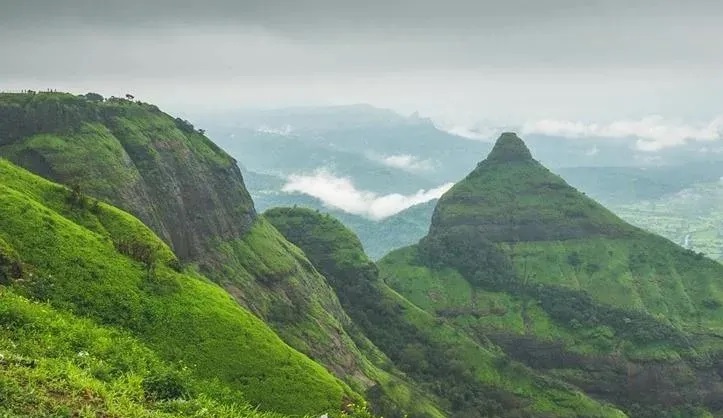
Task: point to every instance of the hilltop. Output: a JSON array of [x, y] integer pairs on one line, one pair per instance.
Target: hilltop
[[191, 194], [511, 197], [516, 255], [113, 285], [468, 373], [137, 277]]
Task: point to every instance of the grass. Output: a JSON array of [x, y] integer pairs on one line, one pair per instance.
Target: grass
[[516, 255], [419, 343], [517, 199], [57, 364], [447, 294], [167, 173], [73, 264], [274, 277], [160, 169]]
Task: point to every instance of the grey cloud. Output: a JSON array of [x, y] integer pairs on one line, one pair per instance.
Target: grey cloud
[[331, 49], [298, 16]]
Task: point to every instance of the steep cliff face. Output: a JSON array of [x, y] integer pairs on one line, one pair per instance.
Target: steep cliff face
[[133, 155], [192, 195], [124, 294]]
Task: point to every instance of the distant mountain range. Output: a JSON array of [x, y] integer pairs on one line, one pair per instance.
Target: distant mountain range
[[382, 152], [138, 277]]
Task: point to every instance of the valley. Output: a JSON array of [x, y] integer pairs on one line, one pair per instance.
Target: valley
[[509, 294]]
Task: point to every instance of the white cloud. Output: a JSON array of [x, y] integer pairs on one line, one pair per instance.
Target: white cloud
[[652, 133], [475, 132], [286, 130], [405, 162], [340, 193]]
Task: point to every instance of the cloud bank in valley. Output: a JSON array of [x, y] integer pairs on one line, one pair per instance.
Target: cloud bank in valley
[[340, 193], [652, 133], [406, 162]]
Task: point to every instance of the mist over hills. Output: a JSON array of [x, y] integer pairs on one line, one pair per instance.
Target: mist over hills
[[379, 152], [142, 274]]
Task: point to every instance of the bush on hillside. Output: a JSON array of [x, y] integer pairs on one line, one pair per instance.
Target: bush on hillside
[[165, 386]]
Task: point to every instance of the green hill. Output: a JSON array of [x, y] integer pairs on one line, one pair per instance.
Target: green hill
[[516, 255], [55, 364], [95, 261], [134, 156], [191, 194], [469, 374], [510, 197]]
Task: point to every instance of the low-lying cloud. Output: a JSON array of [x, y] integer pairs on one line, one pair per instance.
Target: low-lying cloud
[[406, 162], [478, 133], [652, 133], [340, 193], [285, 130]]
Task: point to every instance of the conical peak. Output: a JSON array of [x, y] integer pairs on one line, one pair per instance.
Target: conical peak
[[509, 147]]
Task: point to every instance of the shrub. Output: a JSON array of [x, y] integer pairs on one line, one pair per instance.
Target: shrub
[[165, 386], [185, 126], [94, 97]]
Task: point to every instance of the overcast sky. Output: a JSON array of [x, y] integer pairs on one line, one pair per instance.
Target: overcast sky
[[510, 61]]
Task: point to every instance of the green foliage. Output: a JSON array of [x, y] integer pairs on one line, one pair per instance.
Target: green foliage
[[57, 364], [23, 115], [517, 256], [166, 386], [94, 97], [509, 148], [75, 266], [471, 379], [510, 197], [127, 153], [467, 250], [10, 266], [184, 125]]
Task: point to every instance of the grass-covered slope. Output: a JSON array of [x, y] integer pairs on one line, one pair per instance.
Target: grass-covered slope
[[275, 279], [57, 364], [516, 255], [98, 262], [470, 376], [511, 197], [191, 193], [160, 169]]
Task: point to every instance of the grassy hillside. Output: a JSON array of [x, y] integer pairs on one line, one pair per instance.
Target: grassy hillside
[[517, 256], [511, 197], [161, 169], [469, 375], [691, 217], [191, 193], [276, 280], [95, 261], [57, 364]]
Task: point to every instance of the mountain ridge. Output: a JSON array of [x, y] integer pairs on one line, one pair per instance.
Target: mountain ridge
[[102, 148], [516, 255], [499, 198]]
